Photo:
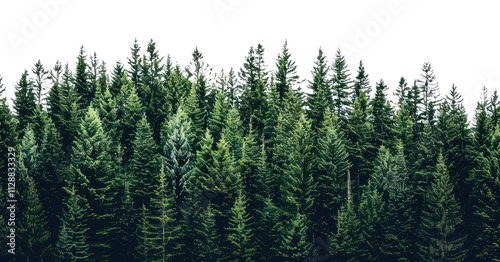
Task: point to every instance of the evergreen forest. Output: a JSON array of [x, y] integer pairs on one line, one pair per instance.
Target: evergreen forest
[[147, 160]]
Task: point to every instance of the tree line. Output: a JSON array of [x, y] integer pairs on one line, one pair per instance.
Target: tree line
[[154, 162]]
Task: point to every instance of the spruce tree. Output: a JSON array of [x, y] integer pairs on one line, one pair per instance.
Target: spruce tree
[[362, 83], [130, 115], [331, 166], [206, 242], [116, 79], [348, 240], [135, 64], [144, 164], [34, 235], [294, 243], [38, 85], [382, 118], [73, 237], [286, 73], [341, 87], [241, 246], [321, 97], [428, 88], [440, 239], [402, 92], [81, 80], [217, 121], [24, 103], [233, 133]]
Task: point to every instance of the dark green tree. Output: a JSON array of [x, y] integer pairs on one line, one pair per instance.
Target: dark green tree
[[286, 73], [116, 79], [81, 80], [321, 97], [341, 87], [240, 235], [440, 239], [24, 102], [382, 118], [362, 83], [39, 84]]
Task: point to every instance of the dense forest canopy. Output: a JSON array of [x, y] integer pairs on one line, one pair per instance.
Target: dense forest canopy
[[151, 161]]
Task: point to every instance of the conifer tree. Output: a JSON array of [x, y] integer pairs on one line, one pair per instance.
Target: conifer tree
[[402, 92], [233, 133], [217, 121], [130, 116], [348, 240], [294, 242], [362, 83], [359, 132], [38, 85], [241, 246], [81, 80], [33, 232], [116, 79], [206, 242], [24, 102], [331, 165], [286, 73], [428, 88], [91, 157], [146, 237], [480, 215], [73, 237], [2, 86], [144, 164], [49, 179], [382, 118], [341, 87], [321, 97], [135, 64], [163, 219], [440, 221], [198, 69]]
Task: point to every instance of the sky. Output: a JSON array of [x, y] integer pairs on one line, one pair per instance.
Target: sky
[[393, 37]]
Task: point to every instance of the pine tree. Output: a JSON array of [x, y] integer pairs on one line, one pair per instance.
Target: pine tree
[[116, 79], [91, 157], [382, 118], [361, 84], [294, 242], [49, 177], [359, 132], [198, 69], [341, 87], [321, 97], [331, 166], [348, 239], [153, 94], [240, 235], [24, 102], [428, 88], [40, 77], [135, 64], [233, 133], [439, 232], [2, 86], [163, 215], [144, 164], [33, 233], [206, 242], [81, 80], [129, 117], [253, 105], [286, 73], [402, 92], [73, 244], [217, 121], [480, 215]]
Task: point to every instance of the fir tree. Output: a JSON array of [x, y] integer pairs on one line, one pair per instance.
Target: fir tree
[[34, 235], [24, 102], [240, 235], [439, 232], [206, 242], [382, 118], [116, 79], [81, 80], [428, 88], [144, 164], [233, 133], [286, 73], [362, 83], [135, 64], [341, 89], [293, 239], [217, 121], [73, 244], [402, 92], [321, 97], [348, 240], [38, 85]]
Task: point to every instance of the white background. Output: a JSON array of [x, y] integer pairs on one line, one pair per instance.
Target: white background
[[393, 38]]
